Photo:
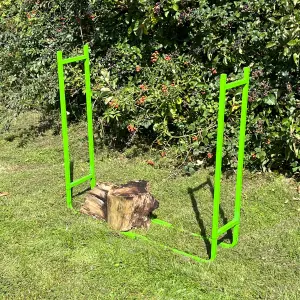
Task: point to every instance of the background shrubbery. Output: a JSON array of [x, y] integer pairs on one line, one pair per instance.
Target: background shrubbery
[[155, 72]]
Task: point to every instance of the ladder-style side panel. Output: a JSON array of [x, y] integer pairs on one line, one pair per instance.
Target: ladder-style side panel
[[90, 177], [216, 231]]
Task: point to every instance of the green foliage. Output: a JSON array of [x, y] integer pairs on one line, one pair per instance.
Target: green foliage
[[195, 42]]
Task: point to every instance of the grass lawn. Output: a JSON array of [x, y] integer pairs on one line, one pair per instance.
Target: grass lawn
[[49, 252]]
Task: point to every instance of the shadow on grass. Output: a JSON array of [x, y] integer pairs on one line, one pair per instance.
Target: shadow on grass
[[26, 135], [81, 192], [203, 231]]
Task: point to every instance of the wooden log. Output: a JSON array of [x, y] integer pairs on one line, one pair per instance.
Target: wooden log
[[129, 206], [95, 203], [124, 206]]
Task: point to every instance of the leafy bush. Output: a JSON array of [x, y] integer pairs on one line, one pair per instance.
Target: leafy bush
[[169, 96]]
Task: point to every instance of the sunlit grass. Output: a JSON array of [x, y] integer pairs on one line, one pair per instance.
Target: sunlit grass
[[49, 252]]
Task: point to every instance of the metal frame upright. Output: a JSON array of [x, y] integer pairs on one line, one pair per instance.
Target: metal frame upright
[[235, 223], [91, 176], [216, 231]]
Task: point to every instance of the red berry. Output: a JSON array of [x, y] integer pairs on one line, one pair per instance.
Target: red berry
[[141, 100], [150, 162], [209, 155], [164, 88], [131, 128]]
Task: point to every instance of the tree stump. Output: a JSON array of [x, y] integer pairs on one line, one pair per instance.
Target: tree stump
[[96, 201], [124, 206]]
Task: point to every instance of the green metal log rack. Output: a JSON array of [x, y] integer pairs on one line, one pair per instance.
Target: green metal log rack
[[234, 224]]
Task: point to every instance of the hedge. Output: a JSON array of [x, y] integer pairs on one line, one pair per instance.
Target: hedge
[[155, 71]]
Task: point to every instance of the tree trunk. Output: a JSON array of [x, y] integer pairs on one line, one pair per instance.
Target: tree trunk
[[124, 206]]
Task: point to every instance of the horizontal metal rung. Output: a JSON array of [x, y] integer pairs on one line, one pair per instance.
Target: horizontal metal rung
[[81, 180], [183, 253], [227, 226], [134, 235], [169, 225], [161, 222], [74, 59], [236, 83]]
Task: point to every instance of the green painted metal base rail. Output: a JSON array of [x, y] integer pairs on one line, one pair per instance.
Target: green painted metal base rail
[[216, 231]]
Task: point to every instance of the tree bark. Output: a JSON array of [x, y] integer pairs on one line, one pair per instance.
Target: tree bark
[[124, 206], [95, 203]]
